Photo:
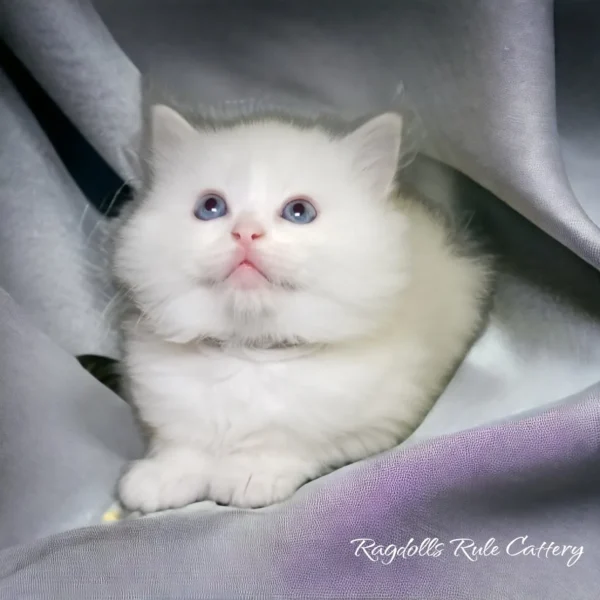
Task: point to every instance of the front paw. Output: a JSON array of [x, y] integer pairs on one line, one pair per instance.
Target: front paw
[[253, 481], [170, 479]]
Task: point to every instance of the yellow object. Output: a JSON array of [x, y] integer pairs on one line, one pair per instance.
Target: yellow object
[[114, 514]]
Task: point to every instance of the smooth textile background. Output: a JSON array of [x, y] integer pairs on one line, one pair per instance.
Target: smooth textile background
[[512, 447]]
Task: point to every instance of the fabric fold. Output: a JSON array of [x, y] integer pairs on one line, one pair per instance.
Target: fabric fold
[[63, 436], [70, 52], [54, 255]]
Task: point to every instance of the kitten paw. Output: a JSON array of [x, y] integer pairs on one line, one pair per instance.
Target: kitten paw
[[256, 481], [171, 479]]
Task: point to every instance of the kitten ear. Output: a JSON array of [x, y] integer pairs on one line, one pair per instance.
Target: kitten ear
[[376, 149], [167, 128]]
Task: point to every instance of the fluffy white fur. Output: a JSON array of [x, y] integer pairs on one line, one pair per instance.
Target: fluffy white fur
[[249, 391]]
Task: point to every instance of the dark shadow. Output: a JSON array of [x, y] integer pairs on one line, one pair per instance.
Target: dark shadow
[[98, 182]]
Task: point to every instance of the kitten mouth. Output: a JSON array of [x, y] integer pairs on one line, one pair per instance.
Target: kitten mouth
[[247, 274], [248, 263]]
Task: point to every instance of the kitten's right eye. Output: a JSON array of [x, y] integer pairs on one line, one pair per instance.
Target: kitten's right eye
[[210, 206]]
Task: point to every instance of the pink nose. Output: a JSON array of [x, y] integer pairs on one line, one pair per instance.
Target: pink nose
[[246, 233]]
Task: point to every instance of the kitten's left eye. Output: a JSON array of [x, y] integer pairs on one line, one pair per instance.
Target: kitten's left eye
[[299, 211], [210, 206]]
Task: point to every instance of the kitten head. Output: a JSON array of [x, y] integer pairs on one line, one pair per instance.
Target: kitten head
[[265, 232]]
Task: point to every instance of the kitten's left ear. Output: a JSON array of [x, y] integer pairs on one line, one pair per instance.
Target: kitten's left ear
[[168, 129], [376, 149]]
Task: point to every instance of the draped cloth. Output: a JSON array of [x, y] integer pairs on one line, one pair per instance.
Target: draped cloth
[[509, 457]]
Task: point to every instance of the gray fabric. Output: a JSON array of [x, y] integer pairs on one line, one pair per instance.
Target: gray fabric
[[512, 446], [41, 209], [67, 48], [63, 436]]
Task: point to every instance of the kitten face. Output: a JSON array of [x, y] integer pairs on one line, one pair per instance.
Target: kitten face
[[215, 249]]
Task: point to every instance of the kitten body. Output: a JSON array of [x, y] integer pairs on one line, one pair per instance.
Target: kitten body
[[261, 352]]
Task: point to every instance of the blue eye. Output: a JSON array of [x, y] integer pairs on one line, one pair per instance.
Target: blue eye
[[299, 211], [210, 206]]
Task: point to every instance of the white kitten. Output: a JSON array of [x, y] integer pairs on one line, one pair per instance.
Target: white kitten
[[293, 312]]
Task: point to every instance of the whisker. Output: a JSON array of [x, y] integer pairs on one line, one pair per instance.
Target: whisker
[[102, 220], [112, 304], [83, 215]]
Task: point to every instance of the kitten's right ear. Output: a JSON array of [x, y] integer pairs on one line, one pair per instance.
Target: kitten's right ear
[[376, 149], [168, 129]]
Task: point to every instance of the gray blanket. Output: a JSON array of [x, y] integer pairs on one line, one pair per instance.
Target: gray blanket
[[497, 494]]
